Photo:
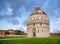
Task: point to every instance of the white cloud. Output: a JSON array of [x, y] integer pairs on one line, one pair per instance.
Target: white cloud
[[58, 21], [9, 11], [21, 27], [56, 30]]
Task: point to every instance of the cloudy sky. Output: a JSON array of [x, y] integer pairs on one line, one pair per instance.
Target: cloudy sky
[[14, 13]]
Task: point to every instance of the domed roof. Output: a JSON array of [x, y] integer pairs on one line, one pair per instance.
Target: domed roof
[[38, 16], [38, 11]]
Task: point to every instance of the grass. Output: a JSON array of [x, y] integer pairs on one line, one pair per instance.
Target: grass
[[53, 40]]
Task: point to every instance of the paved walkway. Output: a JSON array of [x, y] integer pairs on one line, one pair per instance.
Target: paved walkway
[[12, 38]]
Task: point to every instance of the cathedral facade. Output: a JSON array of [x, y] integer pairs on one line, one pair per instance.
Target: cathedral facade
[[38, 24]]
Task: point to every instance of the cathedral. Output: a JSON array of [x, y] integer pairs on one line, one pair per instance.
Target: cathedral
[[38, 24]]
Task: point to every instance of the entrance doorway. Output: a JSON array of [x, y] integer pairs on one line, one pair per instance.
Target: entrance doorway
[[34, 33]]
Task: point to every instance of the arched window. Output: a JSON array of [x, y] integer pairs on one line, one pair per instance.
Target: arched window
[[41, 24], [38, 31], [42, 30], [35, 18], [41, 17], [33, 24]]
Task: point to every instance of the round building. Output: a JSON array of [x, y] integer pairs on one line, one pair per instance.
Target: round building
[[38, 24]]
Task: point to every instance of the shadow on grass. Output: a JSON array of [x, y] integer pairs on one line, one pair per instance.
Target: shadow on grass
[[58, 41], [1, 42]]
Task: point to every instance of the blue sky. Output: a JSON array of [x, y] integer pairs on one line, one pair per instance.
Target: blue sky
[[14, 13]]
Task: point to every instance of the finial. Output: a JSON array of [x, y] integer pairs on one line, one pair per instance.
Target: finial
[[37, 8]]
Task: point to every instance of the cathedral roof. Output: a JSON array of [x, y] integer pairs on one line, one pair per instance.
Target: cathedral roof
[[37, 8], [38, 11]]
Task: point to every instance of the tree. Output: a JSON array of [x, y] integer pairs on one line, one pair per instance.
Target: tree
[[18, 32]]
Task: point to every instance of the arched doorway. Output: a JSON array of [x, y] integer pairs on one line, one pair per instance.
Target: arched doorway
[[34, 32]]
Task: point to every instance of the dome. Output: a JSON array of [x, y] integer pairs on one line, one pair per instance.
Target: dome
[[38, 16]]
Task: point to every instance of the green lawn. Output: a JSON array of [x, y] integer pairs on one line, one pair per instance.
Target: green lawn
[[53, 40]]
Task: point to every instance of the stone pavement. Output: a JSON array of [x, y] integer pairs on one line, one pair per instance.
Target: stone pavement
[[12, 38]]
